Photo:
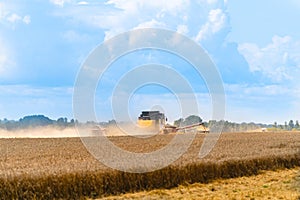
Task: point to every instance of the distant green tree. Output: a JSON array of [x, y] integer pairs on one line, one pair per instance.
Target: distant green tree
[[281, 127], [297, 126], [112, 122], [192, 119], [291, 124], [34, 121], [60, 121], [275, 125], [178, 122], [285, 126]]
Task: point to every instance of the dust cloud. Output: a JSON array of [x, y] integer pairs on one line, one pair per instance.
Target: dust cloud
[[56, 132], [40, 132]]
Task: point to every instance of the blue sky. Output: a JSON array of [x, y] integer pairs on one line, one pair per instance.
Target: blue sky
[[254, 44]]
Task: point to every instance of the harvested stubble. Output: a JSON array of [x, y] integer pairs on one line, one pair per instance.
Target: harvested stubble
[[69, 172]]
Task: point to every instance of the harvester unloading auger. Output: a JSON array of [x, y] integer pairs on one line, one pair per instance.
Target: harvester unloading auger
[[156, 121]]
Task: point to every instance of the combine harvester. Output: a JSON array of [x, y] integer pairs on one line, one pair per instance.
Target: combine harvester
[[153, 122], [156, 121]]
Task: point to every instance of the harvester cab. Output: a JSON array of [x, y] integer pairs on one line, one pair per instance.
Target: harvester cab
[[152, 120]]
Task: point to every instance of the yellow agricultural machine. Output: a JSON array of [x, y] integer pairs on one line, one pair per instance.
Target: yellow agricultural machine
[[156, 121], [152, 120]]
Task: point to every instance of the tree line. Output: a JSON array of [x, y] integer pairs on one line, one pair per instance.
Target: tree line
[[238, 127], [227, 126], [288, 126], [35, 121]]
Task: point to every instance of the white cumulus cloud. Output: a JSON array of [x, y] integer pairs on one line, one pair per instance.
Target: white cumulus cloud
[[210, 2], [117, 16], [279, 60], [83, 3], [151, 24], [216, 21], [26, 19], [144, 13], [14, 18], [60, 2], [162, 5], [183, 29], [11, 16]]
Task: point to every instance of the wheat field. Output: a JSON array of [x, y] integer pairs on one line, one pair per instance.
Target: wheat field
[[61, 168], [278, 184]]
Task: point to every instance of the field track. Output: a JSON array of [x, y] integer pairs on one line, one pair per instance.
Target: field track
[[62, 167]]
